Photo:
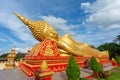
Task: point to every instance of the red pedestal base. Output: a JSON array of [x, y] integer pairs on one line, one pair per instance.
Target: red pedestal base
[[55, 62]]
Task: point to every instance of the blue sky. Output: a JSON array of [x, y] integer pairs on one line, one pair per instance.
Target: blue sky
[[94, 22]]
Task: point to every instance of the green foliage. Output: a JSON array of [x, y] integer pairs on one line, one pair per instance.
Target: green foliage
[[117, 40], [95, 66], [73, 70], [3, 55], [113, 48], [17, 57], [20, 56], [117, 59]]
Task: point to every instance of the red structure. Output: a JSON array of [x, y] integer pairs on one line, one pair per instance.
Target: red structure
[[47, 50]]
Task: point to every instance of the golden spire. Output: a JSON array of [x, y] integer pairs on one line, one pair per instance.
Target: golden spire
[[23, 19], [26, 21]]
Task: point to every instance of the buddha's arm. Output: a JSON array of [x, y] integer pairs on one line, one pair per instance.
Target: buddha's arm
[[66, 47]]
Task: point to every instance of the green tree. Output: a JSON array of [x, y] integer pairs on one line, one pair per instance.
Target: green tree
[[73, 70], [20, 56], [117, 59], [117, 40], [95, 66], [3, 55], [113, 48]]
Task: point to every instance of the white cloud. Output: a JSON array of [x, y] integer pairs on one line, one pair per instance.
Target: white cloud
[[0, 49], [97, 38], [14, 25], [5, 37], [103, 14], [22, 50], [3, 40], [85, 6], [103, 21], [11, 22], [17, 28], [60, 24]]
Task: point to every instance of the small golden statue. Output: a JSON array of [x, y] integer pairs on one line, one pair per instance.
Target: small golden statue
[[41, 30]]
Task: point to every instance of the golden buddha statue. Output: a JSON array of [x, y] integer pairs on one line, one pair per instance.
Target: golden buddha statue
[[41, 30]]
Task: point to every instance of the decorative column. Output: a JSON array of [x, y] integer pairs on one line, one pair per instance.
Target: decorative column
[[45, 73]]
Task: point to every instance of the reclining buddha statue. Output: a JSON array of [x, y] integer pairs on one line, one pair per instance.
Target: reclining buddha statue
[[42, 30]]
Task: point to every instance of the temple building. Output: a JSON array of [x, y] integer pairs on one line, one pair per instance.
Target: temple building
[[11, 59]]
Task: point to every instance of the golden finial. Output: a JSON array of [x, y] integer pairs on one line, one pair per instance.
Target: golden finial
[[44, 65], [23, 19]]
